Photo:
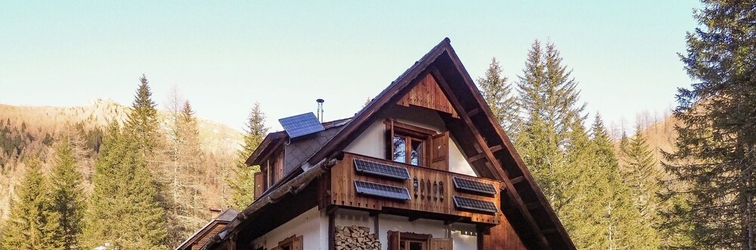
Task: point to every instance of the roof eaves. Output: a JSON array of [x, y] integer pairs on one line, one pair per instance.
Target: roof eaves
[[294, 186], [269, 140], [510, 147]]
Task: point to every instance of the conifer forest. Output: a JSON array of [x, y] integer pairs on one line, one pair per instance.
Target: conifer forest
[[144, 175]]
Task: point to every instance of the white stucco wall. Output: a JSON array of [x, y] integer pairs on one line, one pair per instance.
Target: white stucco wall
[[463, 235], [312, 225], [371, 142], [457, 162]]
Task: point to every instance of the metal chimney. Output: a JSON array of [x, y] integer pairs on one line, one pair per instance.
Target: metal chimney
[[320, 109]]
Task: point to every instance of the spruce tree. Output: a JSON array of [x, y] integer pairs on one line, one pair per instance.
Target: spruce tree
[[715, 154], [498, 94], [67, 195], [142, 122], [548, 100], [30, 224], [625, 226], [123, 210], [242, 185], [641, 176]]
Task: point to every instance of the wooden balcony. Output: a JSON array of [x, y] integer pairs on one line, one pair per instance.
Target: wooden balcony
[[384, 186]]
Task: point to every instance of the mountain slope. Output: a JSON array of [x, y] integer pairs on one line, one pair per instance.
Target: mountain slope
[[32, 130]]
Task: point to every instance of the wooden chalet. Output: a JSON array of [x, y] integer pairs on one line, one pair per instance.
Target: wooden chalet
[[424, 166]]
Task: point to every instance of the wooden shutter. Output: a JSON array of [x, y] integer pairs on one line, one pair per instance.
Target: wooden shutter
[[298, 243], [393, 240], [279, 167], [441, 244], [389, 139], [439, 151], [259, 185]]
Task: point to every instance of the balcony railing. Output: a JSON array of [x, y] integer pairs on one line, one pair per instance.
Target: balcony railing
[[380, 185]]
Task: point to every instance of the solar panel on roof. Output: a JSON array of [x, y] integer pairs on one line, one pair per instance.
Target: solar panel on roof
[[474, 204], [473, 186], [381, 169], [380, 190], [301, 125]]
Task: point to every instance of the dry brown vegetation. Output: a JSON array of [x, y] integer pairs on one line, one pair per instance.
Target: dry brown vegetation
[[30, 131]]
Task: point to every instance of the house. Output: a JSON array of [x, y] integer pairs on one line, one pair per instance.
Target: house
[[212, 228], [423, 166]]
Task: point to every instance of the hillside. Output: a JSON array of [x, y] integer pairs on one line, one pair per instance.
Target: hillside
[[32, 130]]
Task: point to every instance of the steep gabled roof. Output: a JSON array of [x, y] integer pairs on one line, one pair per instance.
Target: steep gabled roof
[[527, 209], [489, 151]]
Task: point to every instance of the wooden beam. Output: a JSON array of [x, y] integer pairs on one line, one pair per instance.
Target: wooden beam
[[517, 180], [549, 231], [498, 169], [476, 157], [473, 112], [331, 210], [496, 148], [514, 158], [533, 205]]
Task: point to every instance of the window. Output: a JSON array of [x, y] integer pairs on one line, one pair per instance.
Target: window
[[415, 241], [292, 243], [416, 146], [272, 169], [408, 149]]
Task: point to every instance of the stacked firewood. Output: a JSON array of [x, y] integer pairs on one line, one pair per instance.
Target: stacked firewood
[[354, 237]]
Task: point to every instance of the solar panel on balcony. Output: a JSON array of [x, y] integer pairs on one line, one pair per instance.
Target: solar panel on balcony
[[381, 169], [301, 125], [474, 204], [380, 190], [473, 186]]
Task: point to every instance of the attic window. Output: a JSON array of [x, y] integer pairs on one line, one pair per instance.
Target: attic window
[[416, 146], [407, 143]]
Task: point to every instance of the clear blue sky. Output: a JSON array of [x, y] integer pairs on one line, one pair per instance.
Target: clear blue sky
[[226, 55]]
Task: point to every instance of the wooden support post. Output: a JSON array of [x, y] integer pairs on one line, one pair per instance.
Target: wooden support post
[[376, 224], [332, 230]]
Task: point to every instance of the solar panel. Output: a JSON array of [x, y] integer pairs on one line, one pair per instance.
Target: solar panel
[[380, 190], [473, 186], [474, 204], [381, 169], [301, 125]]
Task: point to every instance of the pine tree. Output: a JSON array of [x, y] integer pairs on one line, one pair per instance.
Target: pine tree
[[123, 210], [625, 226], [100, 222], [641, 176], [242, 185], [142, 122], [498, 94], [715, 153], [30, 224], [67, 195], [548, 100]]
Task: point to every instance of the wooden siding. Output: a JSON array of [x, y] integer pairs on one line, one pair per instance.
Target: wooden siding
[[431, 196], [427, 94], [502, 236]]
